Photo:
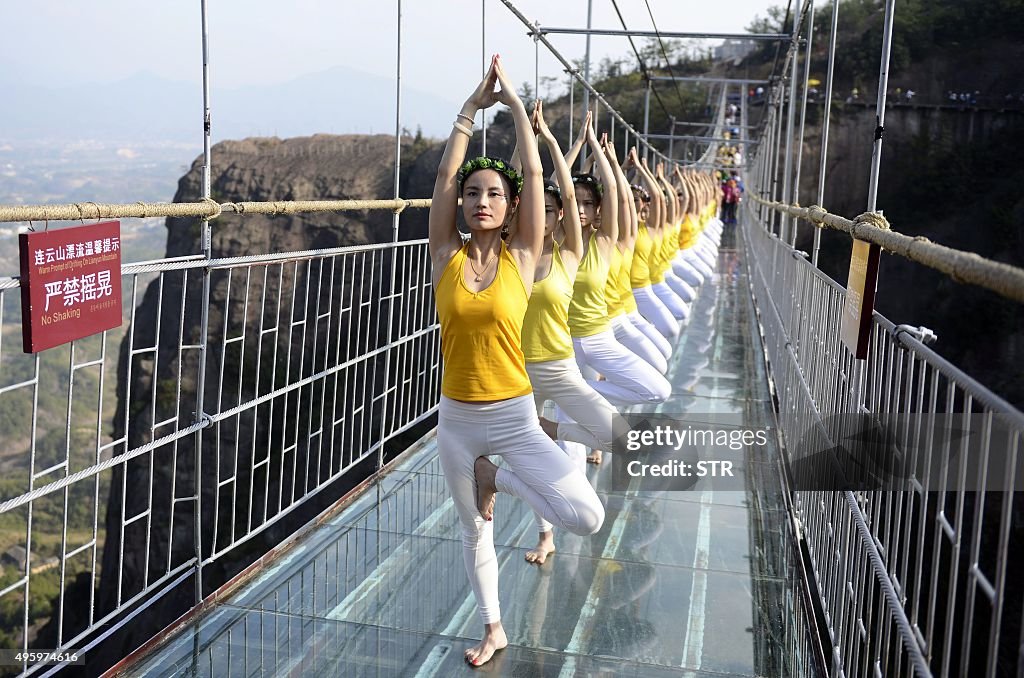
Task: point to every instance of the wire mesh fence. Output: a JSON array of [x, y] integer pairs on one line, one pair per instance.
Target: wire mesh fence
[[910, 548], [118, 490]]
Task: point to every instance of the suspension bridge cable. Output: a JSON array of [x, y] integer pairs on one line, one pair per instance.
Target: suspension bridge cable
[[803, 101], [792, 62], [825, 123], [963, 267], [643, 66], [668, 62], [778, 45], [574, 72]]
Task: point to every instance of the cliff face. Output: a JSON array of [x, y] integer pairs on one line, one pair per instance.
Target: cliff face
[[262, 460], [948, 175]]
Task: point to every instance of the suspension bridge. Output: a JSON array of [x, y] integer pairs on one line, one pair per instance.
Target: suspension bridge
[[246, 478]]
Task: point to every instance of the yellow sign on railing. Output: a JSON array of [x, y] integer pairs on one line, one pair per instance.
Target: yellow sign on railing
[[861, 284]]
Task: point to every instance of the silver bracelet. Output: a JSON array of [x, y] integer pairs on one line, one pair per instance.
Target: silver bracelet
[[462, 128], [467, 118]]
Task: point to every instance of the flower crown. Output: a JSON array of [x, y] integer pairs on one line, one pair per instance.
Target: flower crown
[[496, 164], [589, 180], [641, 192], [553, 188]]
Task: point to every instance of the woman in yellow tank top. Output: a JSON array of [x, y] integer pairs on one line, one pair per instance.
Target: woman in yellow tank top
[[680, 286], [666, 245], [642, 202], [588, 418], [628, 379], [481, 290], [685, 269], [649, 303], [703, 255], [619, 291]]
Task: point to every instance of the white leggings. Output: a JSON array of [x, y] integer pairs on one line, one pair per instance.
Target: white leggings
[[538, 472], [629, 380], [583, 415], [653, 309], [637, 342], [591, 415], [698, 262], [686, 271], [680, 287], [675, 305], [651, 332]]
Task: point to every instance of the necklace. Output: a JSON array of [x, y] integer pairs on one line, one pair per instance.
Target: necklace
[[480, 274]]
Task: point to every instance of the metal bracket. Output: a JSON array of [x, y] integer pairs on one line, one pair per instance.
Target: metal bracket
[[922, 334]]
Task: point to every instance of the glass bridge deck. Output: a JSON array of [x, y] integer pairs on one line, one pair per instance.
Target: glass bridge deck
[[697, 583]]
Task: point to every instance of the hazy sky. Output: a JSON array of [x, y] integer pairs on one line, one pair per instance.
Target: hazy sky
[[64, 42]]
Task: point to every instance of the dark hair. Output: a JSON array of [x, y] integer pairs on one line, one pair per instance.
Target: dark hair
[[509, 173], [590, 181], [552, 189]]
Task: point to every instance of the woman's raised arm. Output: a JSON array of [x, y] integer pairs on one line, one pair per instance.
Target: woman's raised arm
[[609, 198], [577, 146], [529, 237], [573, 242], [444, 237], [669, 218], [627, 210], [657, 196]]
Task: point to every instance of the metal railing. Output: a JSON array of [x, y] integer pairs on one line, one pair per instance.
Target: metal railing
[[911, 569], [315, 361]]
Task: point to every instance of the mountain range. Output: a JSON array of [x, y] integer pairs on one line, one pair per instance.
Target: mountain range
[[146, 107]]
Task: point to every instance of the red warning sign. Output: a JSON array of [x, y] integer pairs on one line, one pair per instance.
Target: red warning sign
[[70, 283]]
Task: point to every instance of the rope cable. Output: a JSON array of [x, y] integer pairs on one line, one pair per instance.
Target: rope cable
[[203, 209], [963, 267]]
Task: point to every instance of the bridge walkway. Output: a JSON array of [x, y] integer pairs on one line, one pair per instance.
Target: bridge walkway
[[698, 583]]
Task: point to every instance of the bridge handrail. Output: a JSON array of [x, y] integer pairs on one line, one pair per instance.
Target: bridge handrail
[[204, 209], [964, 267]]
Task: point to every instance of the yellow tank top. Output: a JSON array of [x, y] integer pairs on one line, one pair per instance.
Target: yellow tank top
[[656, 259], [627, 303], [546, 325], [611, 290], [640, 271], [669, 247], [588, 311], [481, 332], [689, 233]]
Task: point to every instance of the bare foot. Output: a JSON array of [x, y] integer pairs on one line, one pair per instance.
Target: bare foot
[[594, 457], [545, 547], [494, 640], [484, 473], [550, 428]]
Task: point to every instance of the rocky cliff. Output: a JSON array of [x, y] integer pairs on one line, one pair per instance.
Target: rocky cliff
[[948, 175]]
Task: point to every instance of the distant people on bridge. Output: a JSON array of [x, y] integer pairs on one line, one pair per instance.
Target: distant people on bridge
[[735, 176], [730, 200], [482, 288]]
